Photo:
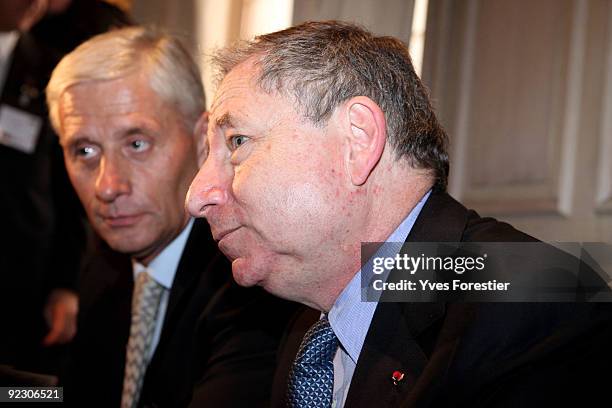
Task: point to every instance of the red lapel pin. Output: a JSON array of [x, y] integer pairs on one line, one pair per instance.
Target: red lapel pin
[[397, 376]]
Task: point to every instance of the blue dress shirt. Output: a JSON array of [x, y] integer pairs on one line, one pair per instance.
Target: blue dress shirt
[[350, 317]]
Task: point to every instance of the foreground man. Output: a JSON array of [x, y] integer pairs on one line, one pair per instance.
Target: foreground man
[[159, 313], [321, 137]]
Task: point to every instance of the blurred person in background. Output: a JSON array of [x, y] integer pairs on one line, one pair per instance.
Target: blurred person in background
[[43, 229]]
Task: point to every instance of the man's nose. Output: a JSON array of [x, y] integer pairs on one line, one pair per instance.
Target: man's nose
[[209, 188], [112, 180]]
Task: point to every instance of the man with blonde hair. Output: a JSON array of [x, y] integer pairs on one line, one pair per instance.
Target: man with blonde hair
[[126, 106]]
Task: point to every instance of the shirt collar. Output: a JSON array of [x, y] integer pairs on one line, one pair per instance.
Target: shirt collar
[[163, 267], [350, 317]]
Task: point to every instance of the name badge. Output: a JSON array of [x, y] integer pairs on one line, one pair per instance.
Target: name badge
[[19, 129]]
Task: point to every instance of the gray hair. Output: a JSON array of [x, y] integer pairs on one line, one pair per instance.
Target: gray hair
[[172, 72], [322, 64]]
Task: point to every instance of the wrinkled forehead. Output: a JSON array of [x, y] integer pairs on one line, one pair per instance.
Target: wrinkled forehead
[[241, 95], [240, 102], [109, 100], [113, 109], [236, 83]]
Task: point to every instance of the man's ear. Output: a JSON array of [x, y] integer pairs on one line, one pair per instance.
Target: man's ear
[[199, 133], [367, 136]]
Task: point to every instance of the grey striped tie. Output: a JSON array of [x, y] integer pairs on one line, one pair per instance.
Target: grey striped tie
[[145, 303]]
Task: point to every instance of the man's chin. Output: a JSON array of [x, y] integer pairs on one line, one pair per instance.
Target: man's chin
[[128, 248], [126, 245], [244, 273]]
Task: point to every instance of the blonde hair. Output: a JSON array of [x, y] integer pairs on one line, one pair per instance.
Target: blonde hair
[[172, 72]]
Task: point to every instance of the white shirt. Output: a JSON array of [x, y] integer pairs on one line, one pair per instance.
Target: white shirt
[[8, 40], [163, 269]]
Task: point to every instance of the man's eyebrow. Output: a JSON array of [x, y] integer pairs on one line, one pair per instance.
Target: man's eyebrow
[[136, 130], [73, 141], [225, 120]]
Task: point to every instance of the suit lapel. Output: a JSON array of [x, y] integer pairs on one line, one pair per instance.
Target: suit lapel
[[192, 264], [193, 276], [442, 219], [391, 346], [414, 339]]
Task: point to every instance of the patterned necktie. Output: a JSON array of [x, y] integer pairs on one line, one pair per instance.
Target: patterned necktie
[[145, 303], [311, 379]]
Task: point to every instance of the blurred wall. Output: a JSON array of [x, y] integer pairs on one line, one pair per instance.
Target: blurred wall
[[206, 25], [384, 17], [178, 17], [209, 24], [524, 89]]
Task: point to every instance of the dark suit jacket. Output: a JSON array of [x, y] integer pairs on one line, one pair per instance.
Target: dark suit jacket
[[472, 354], [217, 337]]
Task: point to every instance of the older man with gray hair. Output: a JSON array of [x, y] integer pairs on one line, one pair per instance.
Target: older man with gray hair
[[322, 137], [126, 106]]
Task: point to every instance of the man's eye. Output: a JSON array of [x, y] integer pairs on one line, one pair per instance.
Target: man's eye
[[139, 145], [85, 151], [237, 141]]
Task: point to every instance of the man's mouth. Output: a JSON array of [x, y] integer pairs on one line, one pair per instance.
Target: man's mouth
[[121, 221], [218, 236]]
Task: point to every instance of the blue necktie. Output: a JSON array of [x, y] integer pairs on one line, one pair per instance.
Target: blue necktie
[[311, 379]]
